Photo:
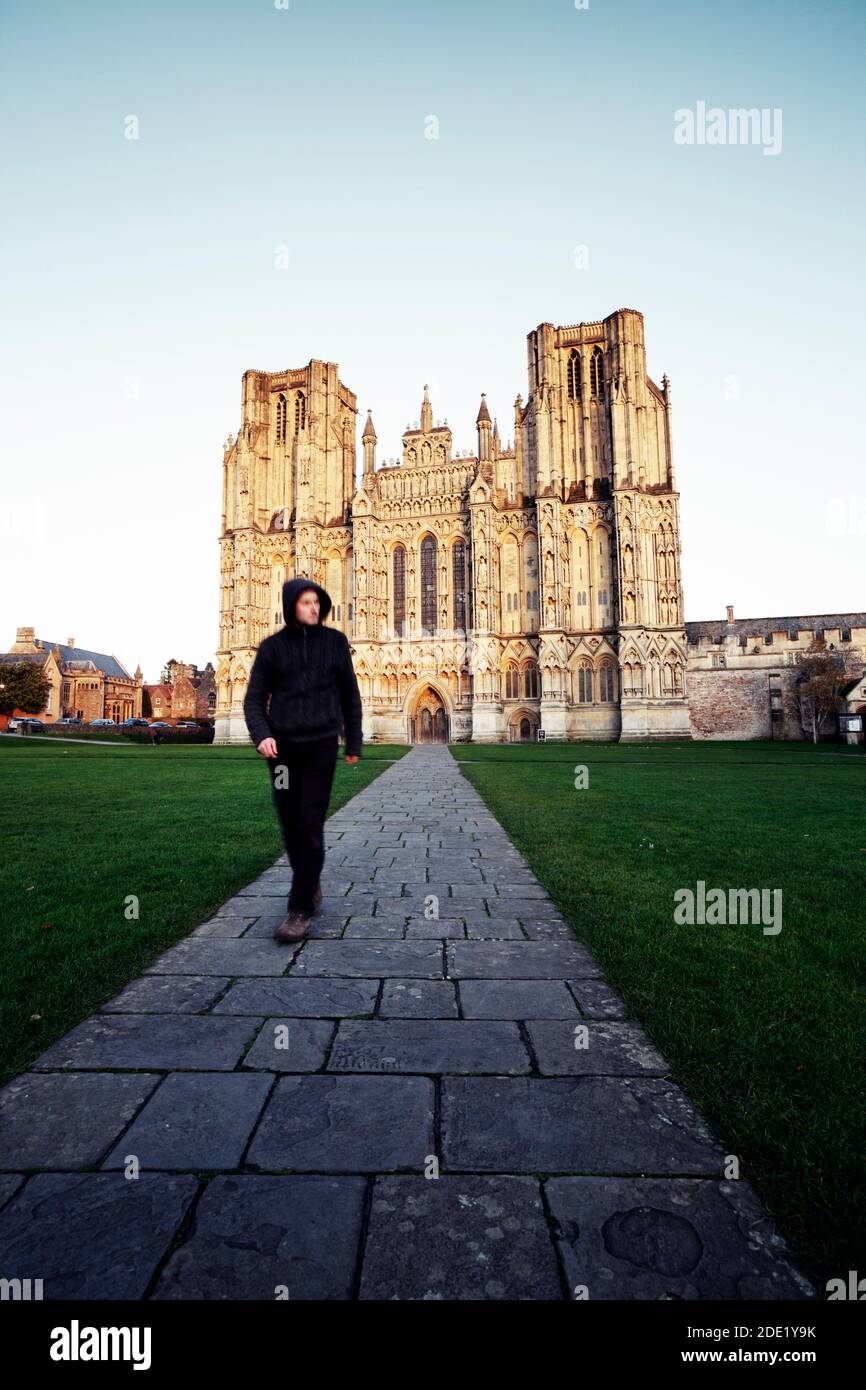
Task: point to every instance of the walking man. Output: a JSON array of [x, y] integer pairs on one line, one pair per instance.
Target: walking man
[[302, 691]]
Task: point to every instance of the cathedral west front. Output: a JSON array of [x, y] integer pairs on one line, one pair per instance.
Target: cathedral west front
[[527, 591]]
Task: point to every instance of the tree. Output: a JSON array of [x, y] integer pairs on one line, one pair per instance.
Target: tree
[[819, 685], [146, 706], [23, 686]]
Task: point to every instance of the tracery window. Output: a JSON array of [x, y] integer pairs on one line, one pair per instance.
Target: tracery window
[[428, 585], [400, 591]]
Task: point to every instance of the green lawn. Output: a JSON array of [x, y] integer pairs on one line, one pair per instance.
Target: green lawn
[[766, 1033], [83, 827]]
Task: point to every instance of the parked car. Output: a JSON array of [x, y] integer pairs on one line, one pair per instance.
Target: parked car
[[103, 724], [25, 724], [69, 721], [133, 724], [159, 724], [186, 724]]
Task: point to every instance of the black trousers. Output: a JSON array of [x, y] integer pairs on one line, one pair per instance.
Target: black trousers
[[301, 778]]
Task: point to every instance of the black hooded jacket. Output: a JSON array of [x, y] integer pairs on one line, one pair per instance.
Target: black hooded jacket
[[306, 670]]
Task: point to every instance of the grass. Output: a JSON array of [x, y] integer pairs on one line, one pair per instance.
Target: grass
[[83, 827], [765, 1033]]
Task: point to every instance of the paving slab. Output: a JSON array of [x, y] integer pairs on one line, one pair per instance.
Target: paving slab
[[665, 1238], [92, 1235], [291, 1044], [593, 1048], [168, 994], [415, 959], [63, 1121], [345, 1124], [519, 960], [517, 999], [581, 1124], [215, 956], [265, 1237], [163, 1042], [195, 1120], [418, 999], [291, 997], [428, 1045], [465, 1238]]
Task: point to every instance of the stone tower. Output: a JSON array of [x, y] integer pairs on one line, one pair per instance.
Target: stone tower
[[288, 480]]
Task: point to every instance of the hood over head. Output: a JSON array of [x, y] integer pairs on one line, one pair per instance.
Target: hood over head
[[292, 590]]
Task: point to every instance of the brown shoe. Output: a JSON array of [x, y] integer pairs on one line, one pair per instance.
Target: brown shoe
[[293, 929]]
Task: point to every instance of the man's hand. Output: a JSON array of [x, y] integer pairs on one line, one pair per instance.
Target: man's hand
[[268, 748], [351, 758]]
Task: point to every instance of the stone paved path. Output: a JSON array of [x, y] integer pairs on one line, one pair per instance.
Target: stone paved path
[[284, 1107]]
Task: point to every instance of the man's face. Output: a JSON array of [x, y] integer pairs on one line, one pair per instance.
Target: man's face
[[307, 607]]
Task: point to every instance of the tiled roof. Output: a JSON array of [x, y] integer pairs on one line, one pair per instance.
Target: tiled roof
[[109, 665]]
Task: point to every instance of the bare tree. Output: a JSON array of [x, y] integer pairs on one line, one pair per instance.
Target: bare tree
[[819, 685]]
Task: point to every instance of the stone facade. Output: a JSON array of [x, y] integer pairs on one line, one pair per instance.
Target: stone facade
[[741, 672], [84, 684], [527, 588], [185, 692]]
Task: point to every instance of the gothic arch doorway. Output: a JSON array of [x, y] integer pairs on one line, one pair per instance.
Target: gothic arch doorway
[[428, 721]]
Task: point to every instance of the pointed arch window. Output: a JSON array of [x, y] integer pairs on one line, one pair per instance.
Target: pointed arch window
[[458, 576], [584, 683], [300, 412], [281, 418], [596, 375], [605, 683], [428, 585], [574, 375], [400, 591], [512, 682], [530, 681]]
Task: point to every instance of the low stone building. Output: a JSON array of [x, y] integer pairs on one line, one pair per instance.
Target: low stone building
[[741, 673], [84, 684]]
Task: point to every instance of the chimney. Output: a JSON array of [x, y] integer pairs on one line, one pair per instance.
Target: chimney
[[70, 641], [730, 612]]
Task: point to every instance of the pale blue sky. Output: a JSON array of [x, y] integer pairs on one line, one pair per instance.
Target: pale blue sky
[[140, 282]]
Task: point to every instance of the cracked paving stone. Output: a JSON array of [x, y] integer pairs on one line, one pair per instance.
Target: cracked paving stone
[[587, 1047], [658, 1238], [92, 1235], [195, 1120], [290, 1044], [264, 1237], [466, 1238]]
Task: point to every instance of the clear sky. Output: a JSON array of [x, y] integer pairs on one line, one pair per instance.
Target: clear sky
[[140, 277]]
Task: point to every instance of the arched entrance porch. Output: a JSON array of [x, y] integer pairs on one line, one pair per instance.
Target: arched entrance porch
[[428, 717]]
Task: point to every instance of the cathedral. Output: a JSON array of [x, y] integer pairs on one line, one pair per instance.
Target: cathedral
[[527, 591]]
